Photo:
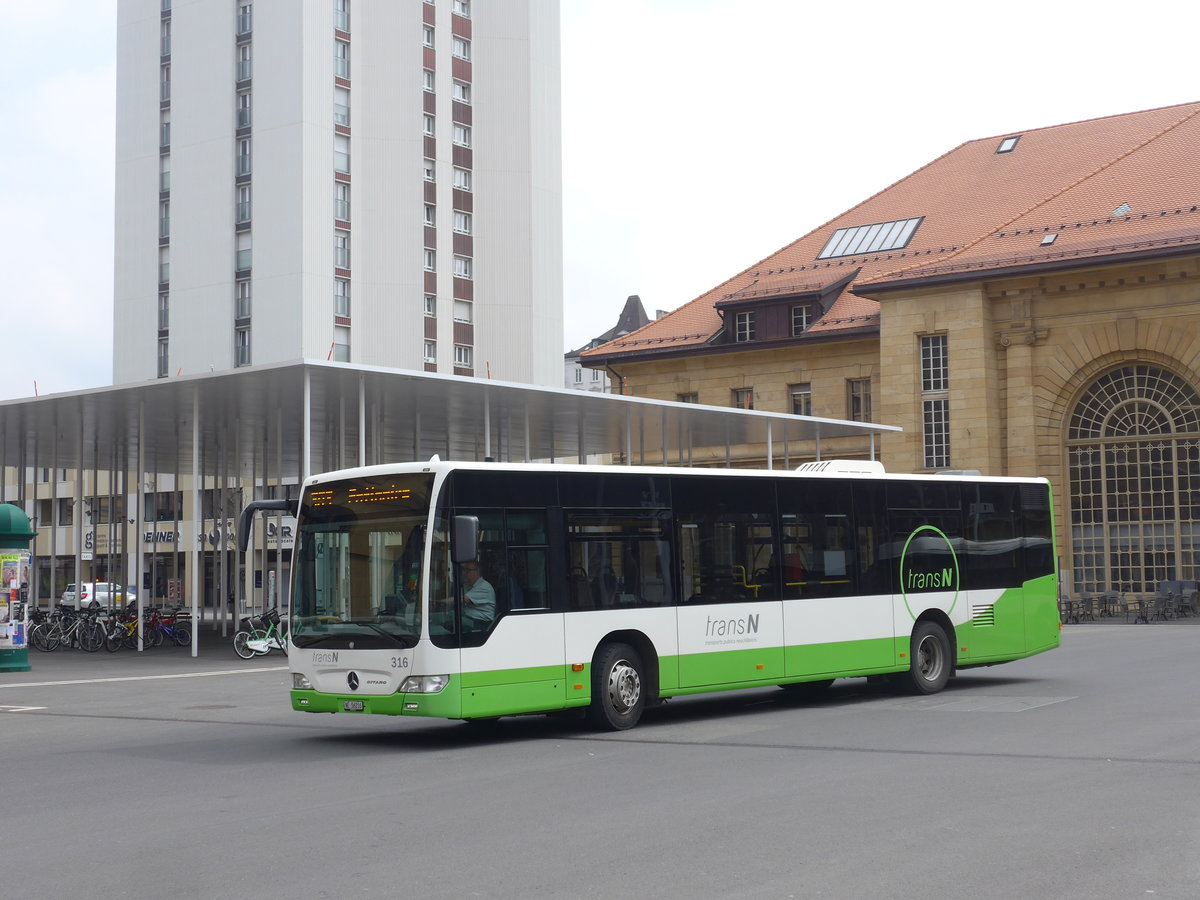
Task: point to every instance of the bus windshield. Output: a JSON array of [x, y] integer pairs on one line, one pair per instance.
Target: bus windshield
[[356, 570]]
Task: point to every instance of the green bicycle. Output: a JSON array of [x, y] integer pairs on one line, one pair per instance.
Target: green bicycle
[[259, 635]]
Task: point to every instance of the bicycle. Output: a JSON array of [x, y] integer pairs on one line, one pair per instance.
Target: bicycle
[[259, 635], [66, 626]]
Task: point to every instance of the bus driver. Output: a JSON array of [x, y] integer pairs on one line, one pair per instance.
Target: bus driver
[[479, 597]]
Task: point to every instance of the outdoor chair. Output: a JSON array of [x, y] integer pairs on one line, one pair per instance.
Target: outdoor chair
[[1112, 604], [1163, 605], [1187, 602]]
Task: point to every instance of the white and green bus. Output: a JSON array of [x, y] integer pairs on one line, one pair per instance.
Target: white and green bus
[[608, 588]]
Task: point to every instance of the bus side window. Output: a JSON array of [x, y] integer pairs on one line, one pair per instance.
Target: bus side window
[[726, 539], [819, 544]]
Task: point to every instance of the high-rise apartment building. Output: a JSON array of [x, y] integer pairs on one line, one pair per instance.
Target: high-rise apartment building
[[372, 181]]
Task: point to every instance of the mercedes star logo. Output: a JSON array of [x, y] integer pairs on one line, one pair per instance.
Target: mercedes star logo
[[352, 680]]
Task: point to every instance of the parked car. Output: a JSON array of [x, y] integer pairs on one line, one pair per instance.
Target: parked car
[[99, 596]]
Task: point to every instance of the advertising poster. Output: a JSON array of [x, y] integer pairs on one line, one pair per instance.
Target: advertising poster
[[14, 586]]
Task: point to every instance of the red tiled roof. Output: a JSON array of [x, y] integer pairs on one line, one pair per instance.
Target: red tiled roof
[[982, 210]]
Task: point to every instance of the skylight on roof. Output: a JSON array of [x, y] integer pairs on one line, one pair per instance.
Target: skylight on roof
[[1008, 144], [870, 238], [1049, 238], [1123, 209]]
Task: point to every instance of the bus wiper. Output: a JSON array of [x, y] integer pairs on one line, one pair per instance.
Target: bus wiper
[[308, 639], [383, 631]]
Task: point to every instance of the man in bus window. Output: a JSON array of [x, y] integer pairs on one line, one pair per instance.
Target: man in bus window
[[479, 597]]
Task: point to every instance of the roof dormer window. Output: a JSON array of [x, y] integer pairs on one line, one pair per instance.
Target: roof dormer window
[[743, 327]]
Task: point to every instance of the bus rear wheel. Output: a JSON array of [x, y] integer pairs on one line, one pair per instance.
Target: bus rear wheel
[[930, 661], [618, 688]]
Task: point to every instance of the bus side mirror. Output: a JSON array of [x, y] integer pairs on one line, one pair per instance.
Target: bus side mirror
[[466, 539]]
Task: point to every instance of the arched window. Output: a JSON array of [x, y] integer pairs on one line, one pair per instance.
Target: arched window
[[1133, 449]]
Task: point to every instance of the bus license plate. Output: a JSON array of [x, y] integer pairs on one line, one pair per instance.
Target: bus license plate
[[352, 705]]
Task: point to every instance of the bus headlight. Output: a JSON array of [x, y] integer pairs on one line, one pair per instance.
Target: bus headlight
[[424, 684], [301, 682]]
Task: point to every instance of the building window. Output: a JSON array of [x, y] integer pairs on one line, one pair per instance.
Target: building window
[[462, 222], [341, 297], [1133, 451], [430, 260], [935, 369], [595, 375], [243, 157], [743, 327], [430, 305], [241, 347], [935, 405], [462, 48], [463, 357], [164, 265], [163, 364], [243, 203], [341, 343], [245, 18], [164, 311], [743, 398], [936, 423], [427, 79], [341, 106], [692, 397], [858, 399], [427, 35], [462, 179], [430, 169], [164, 173], [243, 255], [341, 15], [341, 154], [428, 125], [463, 267], [164, 131], [165, 38], [244, 70], [341, 250], [462, 135], [243, 109], [164, 218], [463, 8], [464, 311], [430, 215], [341, 59], [241, 303], [801, 396], [431, 351], [165, 83], [462, 92], [801, 319], [341, 201]]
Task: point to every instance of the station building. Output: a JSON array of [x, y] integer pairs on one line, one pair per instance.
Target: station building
[[1026, 304]]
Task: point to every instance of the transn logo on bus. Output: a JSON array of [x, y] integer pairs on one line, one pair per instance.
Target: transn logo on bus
[[928, 563], [724, 627]]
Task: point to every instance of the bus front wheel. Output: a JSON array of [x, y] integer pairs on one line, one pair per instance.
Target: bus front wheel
[[930, 661], [618, 688]]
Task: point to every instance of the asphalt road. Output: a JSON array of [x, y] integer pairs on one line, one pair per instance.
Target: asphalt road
[[1075, 774]]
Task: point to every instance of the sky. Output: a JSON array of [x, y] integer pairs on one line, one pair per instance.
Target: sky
[[699, 136]]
